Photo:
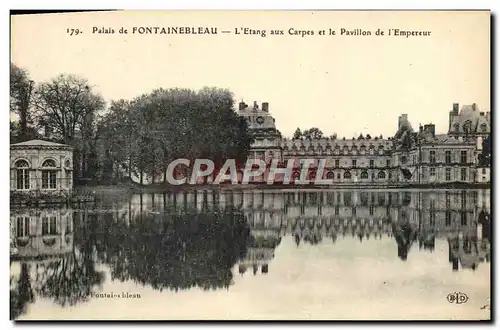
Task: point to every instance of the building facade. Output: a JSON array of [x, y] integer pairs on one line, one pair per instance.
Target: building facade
[[39, 168], [409, 157]]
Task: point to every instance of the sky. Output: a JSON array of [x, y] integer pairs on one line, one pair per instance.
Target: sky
[[341, 84]]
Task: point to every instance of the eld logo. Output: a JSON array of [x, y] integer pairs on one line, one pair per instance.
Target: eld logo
[[457, 298]]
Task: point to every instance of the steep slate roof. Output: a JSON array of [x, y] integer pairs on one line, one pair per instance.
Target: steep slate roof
[[37, 143], [469, 114], [447, 139]]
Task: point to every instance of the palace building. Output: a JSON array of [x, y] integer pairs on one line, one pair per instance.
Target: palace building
[[409, 157]]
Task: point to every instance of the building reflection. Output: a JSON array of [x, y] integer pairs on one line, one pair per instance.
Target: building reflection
[[203, 238], [45, 260], [410, 218], [40, 234]]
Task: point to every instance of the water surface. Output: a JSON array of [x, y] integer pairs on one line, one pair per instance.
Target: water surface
[[255, 254]]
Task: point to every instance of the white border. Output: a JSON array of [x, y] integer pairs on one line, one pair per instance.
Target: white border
[[199, 4]]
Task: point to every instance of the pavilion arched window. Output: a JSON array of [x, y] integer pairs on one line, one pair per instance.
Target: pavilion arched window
[[49, 174], [347, 175], [381, 175], [364, 175], [330, 175], [22, 175]]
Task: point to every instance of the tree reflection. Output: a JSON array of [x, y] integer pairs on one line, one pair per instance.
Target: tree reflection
[[69, 280], [21, 294], [172, 251], [405, 235]]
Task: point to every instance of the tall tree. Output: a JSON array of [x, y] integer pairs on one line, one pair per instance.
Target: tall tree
[[21, 88], [67, 107], [297, 134], [313, 133]]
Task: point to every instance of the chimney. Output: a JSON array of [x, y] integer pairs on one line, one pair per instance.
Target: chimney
[[402, 119], [242, 269], [255, 106], [47, 131], [455, 108], [265, 269], [474, 106], [420, 129], [265, 106], [242, 105], [431, 128]]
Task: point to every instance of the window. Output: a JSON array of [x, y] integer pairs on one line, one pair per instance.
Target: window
[[363, 198], [463, 156], [463, 199], [371, 209], [337, 163], [432, 157], [336, 210], [403, 159], [463, 218], [372, 163], [381, 175], [463, 174], [49, 174], [432, 218], [432, 171], [22, 175], [347, 198], [483, 171], [447, 199], [448, 174], [447, 157], [347, 175], [338, 176], [49, 226], [23, 228], [364, 175], [354, 163], [330, 197], [388, 163], [448, 218], [330, 175]]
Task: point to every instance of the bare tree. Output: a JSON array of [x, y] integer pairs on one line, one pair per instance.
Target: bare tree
[[66, 105]]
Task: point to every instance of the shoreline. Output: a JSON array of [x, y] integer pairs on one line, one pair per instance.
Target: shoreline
[[166, 188], [88, 194]]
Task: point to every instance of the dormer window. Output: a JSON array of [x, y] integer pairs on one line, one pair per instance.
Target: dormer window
[[483, 127], [456, 127]]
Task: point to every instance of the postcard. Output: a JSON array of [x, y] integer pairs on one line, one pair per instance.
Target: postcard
[[250, 165]]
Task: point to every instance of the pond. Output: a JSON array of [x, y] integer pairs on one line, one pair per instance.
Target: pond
[[255, 255]]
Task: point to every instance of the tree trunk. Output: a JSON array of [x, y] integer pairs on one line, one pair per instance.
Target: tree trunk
[[130, 167]]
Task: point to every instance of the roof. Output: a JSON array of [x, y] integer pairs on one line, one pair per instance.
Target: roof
[[336, 143], [446, 139], [470, 116], [37, 143]]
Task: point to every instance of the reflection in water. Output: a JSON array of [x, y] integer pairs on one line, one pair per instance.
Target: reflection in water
[[178, 241], [174, 251]]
